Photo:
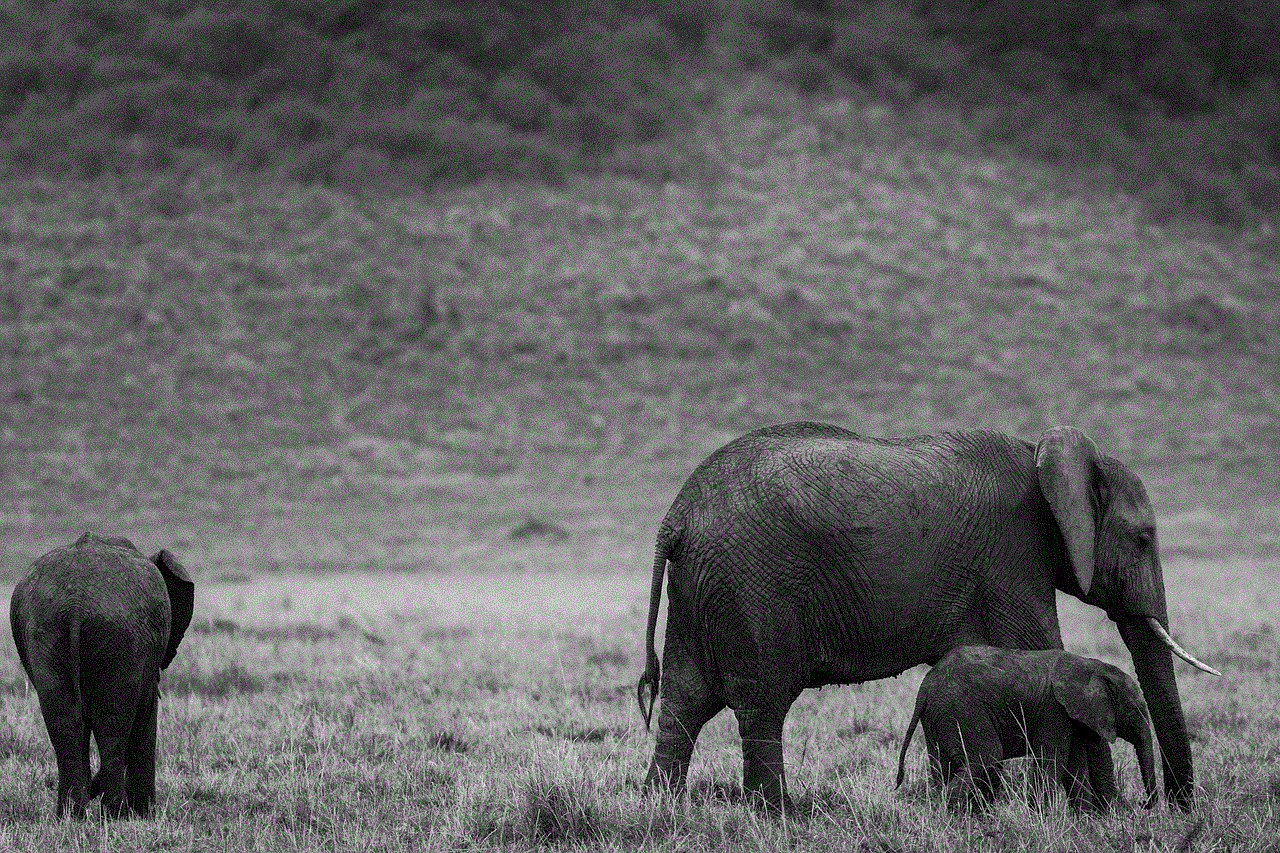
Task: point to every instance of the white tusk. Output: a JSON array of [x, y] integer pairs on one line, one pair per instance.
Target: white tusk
[[1177, 649]]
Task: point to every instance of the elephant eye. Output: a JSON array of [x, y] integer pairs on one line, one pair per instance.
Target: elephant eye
[[1145, 537]]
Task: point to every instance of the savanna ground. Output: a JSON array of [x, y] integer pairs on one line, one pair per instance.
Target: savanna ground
[[415, 450]]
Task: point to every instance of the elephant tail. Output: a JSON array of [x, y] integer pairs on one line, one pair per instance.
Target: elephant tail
[[906, 741], [652, 669]]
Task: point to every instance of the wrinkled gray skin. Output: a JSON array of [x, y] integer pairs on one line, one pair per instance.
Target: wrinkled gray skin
[[805, 554], [94, 624], [981, 705]]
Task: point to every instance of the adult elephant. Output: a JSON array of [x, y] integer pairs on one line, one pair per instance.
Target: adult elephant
[[94, 624], [805, 554]]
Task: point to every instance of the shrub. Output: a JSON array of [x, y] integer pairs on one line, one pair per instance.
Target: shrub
[[519, 101], [100, 24], [566, 65], [487, 36], [120, 110], [690, 21], [733, 44], [23, 25], [296, 119], [90, 155], [886, 40], [645, 40], [304, 62], [256, 148], [314, 163], [807, 71], [787, 27], [448, 71], [19, 74], [1030, 69], [432, 103], [360, 168], [225, 44], [113, 69], [363, 80], [397, 136], [63, 72]]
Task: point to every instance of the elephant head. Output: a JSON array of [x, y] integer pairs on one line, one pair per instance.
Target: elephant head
[[1105, 699], [1108, 528]]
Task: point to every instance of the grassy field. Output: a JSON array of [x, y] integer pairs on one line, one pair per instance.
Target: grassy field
[[415, 450], [477, 709]]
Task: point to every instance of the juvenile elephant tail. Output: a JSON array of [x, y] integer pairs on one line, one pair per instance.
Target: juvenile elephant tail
[[906, 741], [652, 669]]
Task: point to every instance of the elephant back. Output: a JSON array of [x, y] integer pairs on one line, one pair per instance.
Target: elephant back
[[105, 579]]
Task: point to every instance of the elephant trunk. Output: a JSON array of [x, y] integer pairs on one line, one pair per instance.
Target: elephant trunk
[[1153, 663]]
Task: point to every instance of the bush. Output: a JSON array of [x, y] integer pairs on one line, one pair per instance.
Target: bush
[[788, 27], [228, 45], [256, 148], [807, 71], [365, 81], [520, 102], [98, 24], [303, 61], [91, 155], [19, 74], [433, 103], [886, 40], [397, 136], [313, 164], [113, 69], [63, 72], [181, 111], [298, 120], [359, 169], [23, 25], [569, 65]]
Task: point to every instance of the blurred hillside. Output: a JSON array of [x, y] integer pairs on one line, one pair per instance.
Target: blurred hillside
[[1177, 100], [398, 315]]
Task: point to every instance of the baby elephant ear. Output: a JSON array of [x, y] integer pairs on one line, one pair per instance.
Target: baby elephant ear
[[1086, 698], [182, 600]]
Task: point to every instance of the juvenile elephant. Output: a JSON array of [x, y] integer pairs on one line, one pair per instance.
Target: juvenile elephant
[[94, 624], [805, 554], [981, 705]]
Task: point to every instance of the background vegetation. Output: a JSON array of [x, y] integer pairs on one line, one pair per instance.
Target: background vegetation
[[402, 324], [1176, 99]]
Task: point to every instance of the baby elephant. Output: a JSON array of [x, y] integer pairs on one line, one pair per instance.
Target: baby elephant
[[94, 624], [981, 705]]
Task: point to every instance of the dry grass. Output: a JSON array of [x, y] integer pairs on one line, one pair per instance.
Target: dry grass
[[496, 711]]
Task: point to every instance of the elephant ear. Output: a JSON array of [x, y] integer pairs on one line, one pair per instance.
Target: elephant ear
[[182, 600], [1065, 467], [1086, 698]]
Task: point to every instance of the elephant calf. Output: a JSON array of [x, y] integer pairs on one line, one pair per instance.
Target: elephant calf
[[94, 624], [981, 705]]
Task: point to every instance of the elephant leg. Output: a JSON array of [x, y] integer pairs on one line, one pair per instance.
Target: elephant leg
[[988, 780], [112, 733], [1102, 773], [976, 749], [140, 773], [70, 738], [763, 774], [1090, 777], [687, 704]]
